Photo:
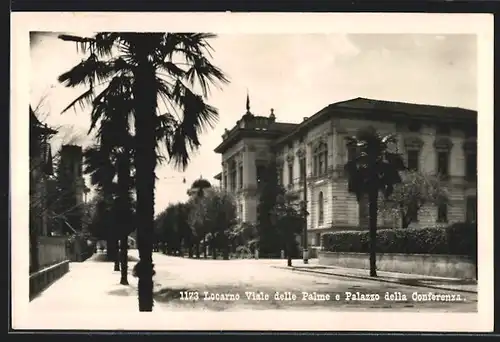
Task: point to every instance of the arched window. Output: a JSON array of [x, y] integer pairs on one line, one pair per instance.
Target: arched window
[[320, 159], [320, 208]]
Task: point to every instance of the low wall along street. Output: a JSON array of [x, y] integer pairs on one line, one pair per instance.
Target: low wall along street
[[51, 250], [449, 266], [53, 263]]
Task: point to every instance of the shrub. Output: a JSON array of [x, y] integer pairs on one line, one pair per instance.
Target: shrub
[[456, 239]]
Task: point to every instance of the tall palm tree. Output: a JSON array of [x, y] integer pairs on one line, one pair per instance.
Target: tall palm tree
[[373, 169], [115, 110], [163, 70], [98, 164]]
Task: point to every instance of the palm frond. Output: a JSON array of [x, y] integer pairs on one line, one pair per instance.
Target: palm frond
[[205, 74], [84, 99], [88, 72], [197, 114]]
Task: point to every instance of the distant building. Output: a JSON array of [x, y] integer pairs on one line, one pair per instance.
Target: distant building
[[433, 139], [71, 175]]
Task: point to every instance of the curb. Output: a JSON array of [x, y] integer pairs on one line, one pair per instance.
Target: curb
[[296, 269]]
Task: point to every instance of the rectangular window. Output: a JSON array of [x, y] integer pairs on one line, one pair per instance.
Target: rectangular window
[[321, 165], [443, 160], [224, 182], [471, 209], [233, 180], [261, 169], [302, 168], [318, 239], [280, 176], [290, 173], [351, 153], [240, 181], [325, 162], [413, 156], [471, 166], [442, 213]]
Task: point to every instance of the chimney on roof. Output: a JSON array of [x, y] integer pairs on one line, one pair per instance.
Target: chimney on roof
[[305, 118]]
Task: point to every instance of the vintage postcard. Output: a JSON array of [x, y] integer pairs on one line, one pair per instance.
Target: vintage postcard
[[252, 171]]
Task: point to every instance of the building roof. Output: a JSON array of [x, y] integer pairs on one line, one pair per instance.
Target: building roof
[[361, 108], [37, 127], [252, 126], [201, 183], [382, 110], [218, 176]]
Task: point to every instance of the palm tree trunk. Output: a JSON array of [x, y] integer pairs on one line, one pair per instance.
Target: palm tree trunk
[[124, 260], [289, 253], [204, 248], [145, 163], [373, 212], [226, 249], [214, 252], [110, 252], [116, 244]]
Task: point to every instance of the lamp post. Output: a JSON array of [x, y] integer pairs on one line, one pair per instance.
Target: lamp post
[[305, 251]]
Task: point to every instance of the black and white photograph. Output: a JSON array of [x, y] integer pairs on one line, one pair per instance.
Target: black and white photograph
[[252, 172]]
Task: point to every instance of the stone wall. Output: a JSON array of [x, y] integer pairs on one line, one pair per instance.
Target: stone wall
[[51, 250], [54, 263], [449, 266]]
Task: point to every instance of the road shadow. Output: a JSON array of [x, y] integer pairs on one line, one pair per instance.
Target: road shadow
[[124, 292], [443, 281], [102, 257], [436, 282]]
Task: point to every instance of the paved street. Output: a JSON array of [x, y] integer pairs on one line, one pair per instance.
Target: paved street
[[216, 284], [93, 286]]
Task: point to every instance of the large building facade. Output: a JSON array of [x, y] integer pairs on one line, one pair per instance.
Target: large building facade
[[432, 139]]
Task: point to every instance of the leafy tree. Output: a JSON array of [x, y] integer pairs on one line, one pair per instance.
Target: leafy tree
[[288, 220], [270, 190], [187, 237], [160, 68], [99, 165], [245, 238], [195, 219], [115, 134], [373, 169], [409, 198], [216, 212], [169, 227]]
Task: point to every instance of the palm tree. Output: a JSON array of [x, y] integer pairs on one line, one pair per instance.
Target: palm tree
[[97, 163], [373, 169], [163, 70], [115, 109]]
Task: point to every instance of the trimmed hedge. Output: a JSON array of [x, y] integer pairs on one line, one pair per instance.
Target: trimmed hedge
[[456, 239]]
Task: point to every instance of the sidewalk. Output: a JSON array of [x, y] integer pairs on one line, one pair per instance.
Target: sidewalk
[[450, 284], [87, 286]]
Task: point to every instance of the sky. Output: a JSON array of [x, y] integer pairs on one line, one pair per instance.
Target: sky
[[296, 75]]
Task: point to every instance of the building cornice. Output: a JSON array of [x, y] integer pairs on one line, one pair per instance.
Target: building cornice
[[240, 133], [337, 110]]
